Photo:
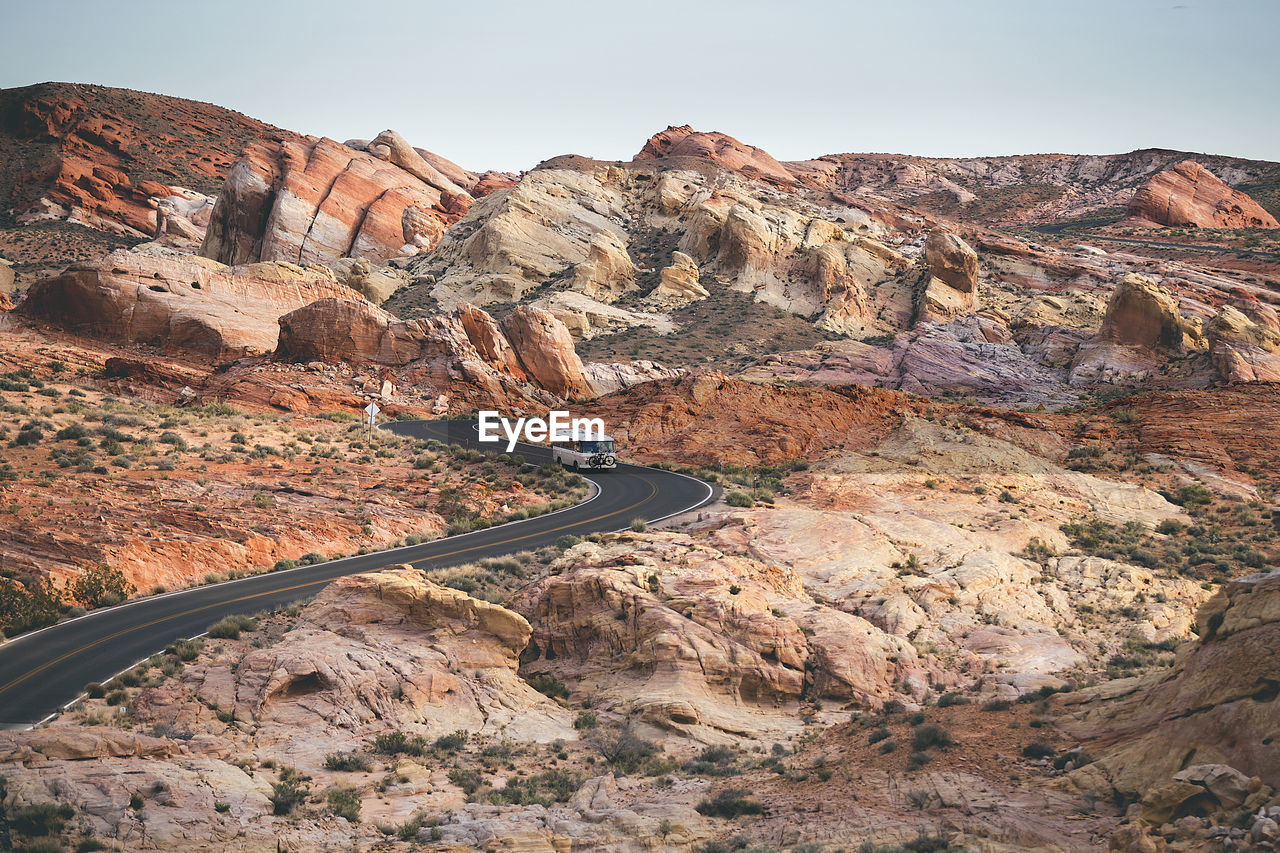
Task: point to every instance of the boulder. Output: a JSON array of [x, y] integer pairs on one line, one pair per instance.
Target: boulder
[[545, 349], [531, 348], [1142, 326], [393, 647], [1189, 194], [678, 284], [950, 286], [607, 272], [375, 282], [315, 200], [1244, 342], [188, 302], [695, 640]]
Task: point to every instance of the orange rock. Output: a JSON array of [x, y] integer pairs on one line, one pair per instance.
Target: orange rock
[[1189, 194], [315, 200], [719, 148], [545, 349]]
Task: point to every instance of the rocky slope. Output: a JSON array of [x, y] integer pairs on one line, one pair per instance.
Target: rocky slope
[[173, 300], [315, 200], [114, 159]]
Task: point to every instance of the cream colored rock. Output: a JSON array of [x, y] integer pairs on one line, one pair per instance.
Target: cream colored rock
[[393, 647], [587, 318], [678, 283], [188, 302], [611, 377], [374, 282], [700, 642], [1244, 343], [607, 272]]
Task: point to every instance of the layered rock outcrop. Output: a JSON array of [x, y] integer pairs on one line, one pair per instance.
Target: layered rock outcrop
[[182, 301], [1217, 705], [694, 640], [315, 200], [1244, 342], [1142, 325], [530, 346], [1189, 194], [950, 287], [719, 148], [392, 646], [678, 283]]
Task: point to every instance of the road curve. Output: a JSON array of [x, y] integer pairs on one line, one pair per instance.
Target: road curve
[[43, 671]]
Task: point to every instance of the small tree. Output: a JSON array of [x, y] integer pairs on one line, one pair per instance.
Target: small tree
[[101, 586]]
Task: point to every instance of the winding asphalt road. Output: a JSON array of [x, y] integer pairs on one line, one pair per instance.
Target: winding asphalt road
[[42, 672]]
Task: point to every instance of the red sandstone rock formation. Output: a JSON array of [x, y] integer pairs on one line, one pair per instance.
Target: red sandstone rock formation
[[315, 200], [719, 148], [1189, 194]]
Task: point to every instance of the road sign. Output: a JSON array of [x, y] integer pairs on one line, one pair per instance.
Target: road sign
[[371, 410]]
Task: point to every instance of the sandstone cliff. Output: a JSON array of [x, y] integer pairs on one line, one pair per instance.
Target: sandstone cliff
[[1189, 194]]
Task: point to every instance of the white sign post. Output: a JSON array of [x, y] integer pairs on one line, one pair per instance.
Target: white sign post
[[372, 411]]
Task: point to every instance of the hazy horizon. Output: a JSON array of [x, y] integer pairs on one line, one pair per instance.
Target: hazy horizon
[[504, 85]]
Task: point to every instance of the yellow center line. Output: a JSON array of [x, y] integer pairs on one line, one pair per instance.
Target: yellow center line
[[653, 490]]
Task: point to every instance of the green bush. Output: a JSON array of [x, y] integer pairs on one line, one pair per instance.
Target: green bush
[[930, 736], [100, 586], [639, 525], [230, 627], [564, 543], [185, 650], [739, 499], [878, 735], [289, 793], [345, 803], [946, 700], [586, 720], [451, 742], [350, 762], [730, 803], [548, 685], [41, 818], [1038, 750], [397, 742]]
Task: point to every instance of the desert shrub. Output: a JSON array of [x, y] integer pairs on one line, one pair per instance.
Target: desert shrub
[[28, 604], [878, 735], [345, 803], [451, 742], [946, 700], [397, 742], [549, 686], [1038, 750], [94, 690], [918, 759], [888, 746], [564, 543], [185, 650], [739, 499], [117, 697], [730, 803], [466, 779], [289, 792], [997, 705], [550, 786], [41, 818], [639, 525], [622, 749], [231, 627], [100, 586], [930, 736], [284, 565], [349, 762], [586, 720]]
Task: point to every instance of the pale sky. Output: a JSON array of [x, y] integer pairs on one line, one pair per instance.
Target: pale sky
[[503, 85]]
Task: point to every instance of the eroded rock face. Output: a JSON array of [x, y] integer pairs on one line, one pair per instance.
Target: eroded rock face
[[1189, 194], [1142, 325], [1244, 342], [546, 352], [531, 348], [679, 282], [173, 300], [951, 285], [393, 646], [1217, 705], [315, 200], [719, 148], [695, 640]]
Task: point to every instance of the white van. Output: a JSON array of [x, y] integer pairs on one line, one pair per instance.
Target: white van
[[579, 454]]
